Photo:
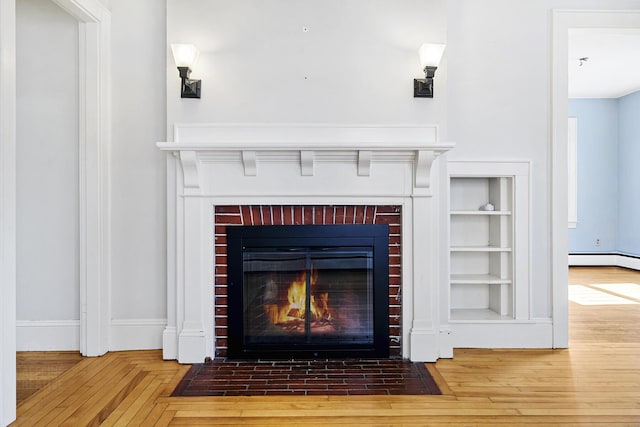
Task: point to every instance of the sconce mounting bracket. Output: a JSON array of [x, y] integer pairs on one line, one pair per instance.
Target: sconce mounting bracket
[[189, 88]]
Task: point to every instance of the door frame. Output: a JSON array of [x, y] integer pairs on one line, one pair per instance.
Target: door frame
[[564, 20]]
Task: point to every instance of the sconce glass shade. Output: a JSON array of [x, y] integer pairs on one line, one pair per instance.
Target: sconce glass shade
[[430, 54], [185, 55]]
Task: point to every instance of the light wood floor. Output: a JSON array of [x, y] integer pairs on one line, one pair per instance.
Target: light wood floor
[[595, 382]]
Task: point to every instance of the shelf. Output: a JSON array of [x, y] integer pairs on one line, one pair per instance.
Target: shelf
[[478, 279], [479, 249], [481, 213], [475, 314]]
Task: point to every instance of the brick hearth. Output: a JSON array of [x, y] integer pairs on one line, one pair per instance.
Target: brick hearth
[[306, 215]]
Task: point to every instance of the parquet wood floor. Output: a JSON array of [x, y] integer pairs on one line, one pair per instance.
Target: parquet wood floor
[[595, 382]]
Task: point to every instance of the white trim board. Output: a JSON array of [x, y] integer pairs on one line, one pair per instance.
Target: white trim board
[[136, 334], [7, 211], [64, 335], [534, 334], [94, 33], [562, 21], [609, 260], [47, 335]]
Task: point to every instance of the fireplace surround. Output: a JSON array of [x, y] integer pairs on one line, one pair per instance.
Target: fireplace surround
[[211, 165]]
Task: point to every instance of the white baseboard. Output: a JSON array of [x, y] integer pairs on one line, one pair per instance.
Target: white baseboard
[[537, 334], [613, 260], [136, 334], [64, 335], [48, 335]]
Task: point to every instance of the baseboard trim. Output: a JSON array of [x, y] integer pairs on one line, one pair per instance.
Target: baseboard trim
[[136, 334], [48, 335], [605, 259], [536, 334]]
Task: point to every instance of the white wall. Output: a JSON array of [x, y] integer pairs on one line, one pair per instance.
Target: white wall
[[356, 63], [47, 177], [138, 173]]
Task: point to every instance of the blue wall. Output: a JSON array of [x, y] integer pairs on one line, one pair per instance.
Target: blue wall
[[597, 175], [608, 175], [629, 174]]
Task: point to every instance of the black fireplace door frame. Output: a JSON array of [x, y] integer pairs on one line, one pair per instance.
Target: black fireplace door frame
[[309, 238]]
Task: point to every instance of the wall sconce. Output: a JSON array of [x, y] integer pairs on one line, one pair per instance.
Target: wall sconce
[[185, 55], [430, 55]]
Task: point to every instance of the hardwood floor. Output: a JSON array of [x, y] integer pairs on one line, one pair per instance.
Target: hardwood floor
[[36, 369], [595, 382]]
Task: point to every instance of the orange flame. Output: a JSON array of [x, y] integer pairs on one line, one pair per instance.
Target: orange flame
[[297, 305]]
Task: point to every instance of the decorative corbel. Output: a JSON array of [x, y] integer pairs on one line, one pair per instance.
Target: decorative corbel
[[249, 162], [423, 161], [189, 161], [307, 163], [364, 163]]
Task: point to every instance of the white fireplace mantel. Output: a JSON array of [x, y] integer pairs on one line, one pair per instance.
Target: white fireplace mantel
[[211, 164]]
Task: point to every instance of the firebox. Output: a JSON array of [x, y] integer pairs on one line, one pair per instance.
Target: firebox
[[308, 291]]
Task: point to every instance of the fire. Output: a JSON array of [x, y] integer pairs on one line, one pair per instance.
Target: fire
[[291, 316]]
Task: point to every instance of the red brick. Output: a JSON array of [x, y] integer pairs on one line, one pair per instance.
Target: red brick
[[388, 209], [255, 215], [318, 215], [287, 215], [221, 290], [340, 211], [221, 300], [277, 215], [221, 259], [369, 213], [330, 215], [221, 320], [307, 215], [349, 215], [221, 269], [228, 219], [246, 214], [297, 215], [266, 215], [228, 210], [359, 215], [394, 229], [386, 219]]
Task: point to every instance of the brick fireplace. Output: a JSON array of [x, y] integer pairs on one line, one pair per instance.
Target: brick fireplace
[[234, 216], [228, 175]]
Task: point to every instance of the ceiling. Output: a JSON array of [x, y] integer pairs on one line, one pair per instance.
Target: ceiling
[[613, 64]]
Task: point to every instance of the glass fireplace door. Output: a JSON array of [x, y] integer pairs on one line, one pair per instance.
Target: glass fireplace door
[[308, 291], [307, 297]]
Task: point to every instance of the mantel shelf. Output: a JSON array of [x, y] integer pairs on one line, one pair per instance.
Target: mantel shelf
[[255, 145]]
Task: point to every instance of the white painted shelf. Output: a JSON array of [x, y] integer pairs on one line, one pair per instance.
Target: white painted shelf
[[479, 212], [478, 249], [478, 279]]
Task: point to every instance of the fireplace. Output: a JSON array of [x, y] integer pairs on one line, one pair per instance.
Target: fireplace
[[308, 291], [213, 167]]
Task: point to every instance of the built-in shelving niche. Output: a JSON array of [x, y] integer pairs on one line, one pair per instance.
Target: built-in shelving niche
[[489, 255]]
